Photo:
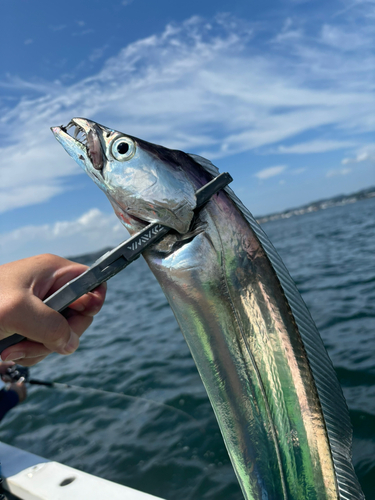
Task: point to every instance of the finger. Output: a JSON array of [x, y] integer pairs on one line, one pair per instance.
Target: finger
[[24, 350], [38, 322], [65, 273], [52, 273], [43, 274], [31, 361], [90, 303], [79, 323], [4, 366]]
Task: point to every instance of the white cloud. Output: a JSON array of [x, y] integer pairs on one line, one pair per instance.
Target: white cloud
[[288, 32], [319, 146], [58, 27], [83, 32], [297, 171], [290, 35], [269, 172], [88, 233], [209, 88], [340, 38], [364, 154], [342, 171], [98, 53]]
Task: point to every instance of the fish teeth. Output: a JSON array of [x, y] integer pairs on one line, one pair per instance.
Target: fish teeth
[[80, 135]]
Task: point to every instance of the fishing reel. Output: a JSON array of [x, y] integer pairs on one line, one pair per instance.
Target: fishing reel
[[16, 372]]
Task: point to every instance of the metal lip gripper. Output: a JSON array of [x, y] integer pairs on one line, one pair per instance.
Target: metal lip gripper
[[114, 261]]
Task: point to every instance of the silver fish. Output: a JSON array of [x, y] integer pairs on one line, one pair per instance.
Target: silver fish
[[271, 384]]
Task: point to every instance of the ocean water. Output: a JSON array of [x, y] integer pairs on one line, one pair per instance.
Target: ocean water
[[160, 435]]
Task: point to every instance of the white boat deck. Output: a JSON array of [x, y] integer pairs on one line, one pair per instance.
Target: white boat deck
[[31, 477]]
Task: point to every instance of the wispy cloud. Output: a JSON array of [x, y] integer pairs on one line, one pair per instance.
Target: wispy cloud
[[318, 146], [341, 171], [58, 27], [98, 53], [289, 32], [84, 234], [364, 154], [297, 171], [214, 88], [83, 32], [269, 172], [339, 38]]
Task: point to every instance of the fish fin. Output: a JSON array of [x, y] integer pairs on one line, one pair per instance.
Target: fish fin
[[206, 164], [334, 407]]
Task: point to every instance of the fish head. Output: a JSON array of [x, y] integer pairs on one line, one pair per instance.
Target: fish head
[[144, 182]]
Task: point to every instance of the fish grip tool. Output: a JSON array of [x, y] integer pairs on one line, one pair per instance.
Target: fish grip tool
[[114, 261]]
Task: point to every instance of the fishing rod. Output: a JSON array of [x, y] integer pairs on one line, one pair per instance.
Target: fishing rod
[[18, 373]]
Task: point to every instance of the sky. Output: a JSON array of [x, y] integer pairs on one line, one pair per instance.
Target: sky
[[278, 93]]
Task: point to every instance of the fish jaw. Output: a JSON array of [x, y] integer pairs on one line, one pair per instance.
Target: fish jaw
[[86, 151]]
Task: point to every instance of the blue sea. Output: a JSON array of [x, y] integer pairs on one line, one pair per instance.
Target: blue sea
[[156, 430]]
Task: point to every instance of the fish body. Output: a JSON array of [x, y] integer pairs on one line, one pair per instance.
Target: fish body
[[271, 384]]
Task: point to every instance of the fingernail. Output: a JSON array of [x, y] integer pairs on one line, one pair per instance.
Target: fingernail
[[72, 343], [14, 356]]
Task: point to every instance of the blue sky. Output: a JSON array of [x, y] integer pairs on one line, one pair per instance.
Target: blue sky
[[278, 93]]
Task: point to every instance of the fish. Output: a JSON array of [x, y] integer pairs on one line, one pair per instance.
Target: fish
[[270, 381]]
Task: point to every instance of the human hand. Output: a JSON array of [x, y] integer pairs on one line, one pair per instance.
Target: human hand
[[20, 389], [24, 284], [4, 365]]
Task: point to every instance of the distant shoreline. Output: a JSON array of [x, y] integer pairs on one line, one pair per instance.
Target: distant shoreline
[[363, 194]]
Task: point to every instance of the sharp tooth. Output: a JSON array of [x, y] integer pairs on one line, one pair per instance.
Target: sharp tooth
[[78, 131]]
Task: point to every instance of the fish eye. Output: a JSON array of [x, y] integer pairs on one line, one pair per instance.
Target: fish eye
[[123, 148]]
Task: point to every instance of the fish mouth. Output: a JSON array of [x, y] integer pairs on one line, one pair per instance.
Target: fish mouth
[[81, 140]]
